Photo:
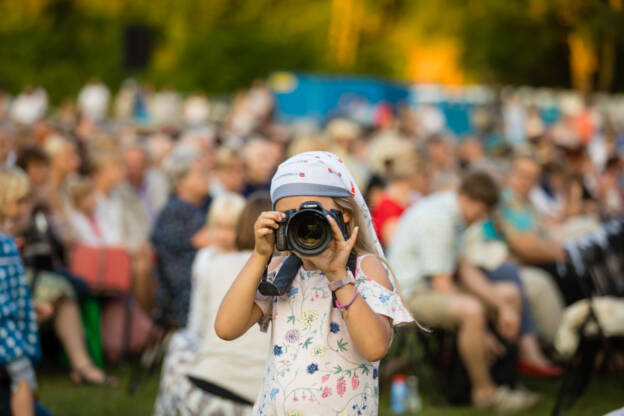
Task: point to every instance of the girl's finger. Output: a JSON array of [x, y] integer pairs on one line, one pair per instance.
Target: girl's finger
[[351, 241], [268, 223], [275, 215], [264, 231], [336, 233]]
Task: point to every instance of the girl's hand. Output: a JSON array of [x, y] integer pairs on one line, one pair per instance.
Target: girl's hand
[[333, 261], [264, 231]]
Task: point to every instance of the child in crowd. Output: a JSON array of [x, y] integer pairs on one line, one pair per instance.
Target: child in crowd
[[84, 223], [192, 381], [221, 223], [222, 217], [333, 325]]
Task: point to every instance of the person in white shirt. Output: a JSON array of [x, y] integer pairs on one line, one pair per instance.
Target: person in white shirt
[[166, 107], [426, 256], [145, 184], [93, 100], [107, 175], [202, 373], [196, 109], [82, 217], [30, 106]]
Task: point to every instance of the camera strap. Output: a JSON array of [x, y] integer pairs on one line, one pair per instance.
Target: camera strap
[[280, 284]]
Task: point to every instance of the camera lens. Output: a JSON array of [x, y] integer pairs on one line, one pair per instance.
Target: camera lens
[[309, 233]]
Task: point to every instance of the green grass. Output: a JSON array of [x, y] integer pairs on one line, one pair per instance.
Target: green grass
[[60, 396], [605, 394]]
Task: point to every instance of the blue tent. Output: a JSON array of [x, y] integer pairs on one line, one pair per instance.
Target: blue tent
[[321, 97]]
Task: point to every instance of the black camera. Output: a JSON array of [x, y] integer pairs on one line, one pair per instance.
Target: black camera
[[307, 230]]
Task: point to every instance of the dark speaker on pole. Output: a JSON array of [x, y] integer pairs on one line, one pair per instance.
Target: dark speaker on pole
[[138, 44]]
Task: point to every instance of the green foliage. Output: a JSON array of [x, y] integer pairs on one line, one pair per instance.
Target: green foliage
[[526, 42], [224, 59], [525, 50], [61, 52], [222, 45]]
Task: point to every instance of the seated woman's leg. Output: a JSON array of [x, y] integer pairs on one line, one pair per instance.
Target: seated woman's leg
[[68, 328], [23, 384], [466, 315], [546, 302], [144, 288], [23, 400], [507, 282]]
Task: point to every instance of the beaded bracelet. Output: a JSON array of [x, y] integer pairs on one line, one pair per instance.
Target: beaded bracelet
[[343, 307]]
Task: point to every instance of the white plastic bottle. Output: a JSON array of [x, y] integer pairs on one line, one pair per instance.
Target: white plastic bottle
[[414, 404]]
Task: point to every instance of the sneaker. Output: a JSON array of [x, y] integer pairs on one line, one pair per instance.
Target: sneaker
[[507, 400]]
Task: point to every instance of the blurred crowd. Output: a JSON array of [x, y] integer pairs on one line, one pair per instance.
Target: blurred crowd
[[164, 176]]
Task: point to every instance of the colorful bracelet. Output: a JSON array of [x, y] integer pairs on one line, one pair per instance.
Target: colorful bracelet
[[343, 307]]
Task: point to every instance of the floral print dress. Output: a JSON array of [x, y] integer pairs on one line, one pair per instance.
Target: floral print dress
[[313, 366]]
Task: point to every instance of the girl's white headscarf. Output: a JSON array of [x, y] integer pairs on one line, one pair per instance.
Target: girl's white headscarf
[[320, 174]]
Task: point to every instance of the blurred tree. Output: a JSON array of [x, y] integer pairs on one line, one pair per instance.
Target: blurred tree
[[221, 45], [506, 42], [596, 29], [544, 42], [57, 47]]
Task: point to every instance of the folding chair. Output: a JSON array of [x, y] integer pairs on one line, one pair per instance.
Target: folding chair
[[598, 275], [615, 254]]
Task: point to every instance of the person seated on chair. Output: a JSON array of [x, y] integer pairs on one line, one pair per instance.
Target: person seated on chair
[[518, 223], [102, 214], [541, 302], [178, 233], [530, 234], [192, 378], [426, 256], [53, 296]]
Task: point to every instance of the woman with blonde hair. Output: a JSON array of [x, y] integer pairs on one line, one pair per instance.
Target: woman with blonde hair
[[54, 297]]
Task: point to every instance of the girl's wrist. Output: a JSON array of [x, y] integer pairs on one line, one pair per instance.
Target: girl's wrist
[[334, 276], [260, 255]]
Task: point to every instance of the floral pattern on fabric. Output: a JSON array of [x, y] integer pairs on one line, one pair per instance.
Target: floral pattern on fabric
[[313, 367], [177, 395]]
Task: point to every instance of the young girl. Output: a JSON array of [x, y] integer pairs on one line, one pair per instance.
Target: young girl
[[324, 352], [222, 218]]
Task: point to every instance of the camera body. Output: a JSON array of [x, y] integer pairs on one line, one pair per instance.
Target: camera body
[[307, 230]]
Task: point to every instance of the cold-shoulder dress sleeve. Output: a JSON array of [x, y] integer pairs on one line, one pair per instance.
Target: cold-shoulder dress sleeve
[[380, 299]]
